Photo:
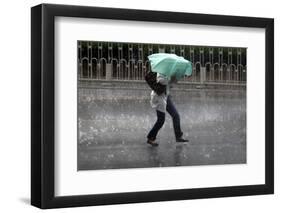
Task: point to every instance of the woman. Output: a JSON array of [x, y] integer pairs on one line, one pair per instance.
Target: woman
[[163, 103]]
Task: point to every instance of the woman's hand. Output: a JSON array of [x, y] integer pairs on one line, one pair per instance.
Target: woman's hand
[[189, 77]]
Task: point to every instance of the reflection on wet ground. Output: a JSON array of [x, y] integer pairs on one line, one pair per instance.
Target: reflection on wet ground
[[113, 126]]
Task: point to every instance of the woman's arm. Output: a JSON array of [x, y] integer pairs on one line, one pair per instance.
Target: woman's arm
[[162, 79]]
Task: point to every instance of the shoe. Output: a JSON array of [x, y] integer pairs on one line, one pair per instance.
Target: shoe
[[152, 143], [181, 140]]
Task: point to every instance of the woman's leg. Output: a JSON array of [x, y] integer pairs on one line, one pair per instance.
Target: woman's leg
[[171, 109], [157, 126]]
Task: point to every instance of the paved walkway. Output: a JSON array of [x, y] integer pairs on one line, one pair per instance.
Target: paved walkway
[[112, 132]]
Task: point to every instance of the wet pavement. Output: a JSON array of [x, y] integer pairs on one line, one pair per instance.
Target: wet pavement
[[113, 125]]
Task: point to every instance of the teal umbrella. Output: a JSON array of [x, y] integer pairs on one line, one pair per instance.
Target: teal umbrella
[[170, 65]]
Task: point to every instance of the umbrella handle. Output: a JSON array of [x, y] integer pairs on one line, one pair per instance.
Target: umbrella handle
[[174, 67], [173, 80]]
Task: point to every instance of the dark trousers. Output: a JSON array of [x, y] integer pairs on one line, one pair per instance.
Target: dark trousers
[[171, 109]]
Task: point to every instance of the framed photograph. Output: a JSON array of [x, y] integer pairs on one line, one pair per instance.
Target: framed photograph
[[141, 106]]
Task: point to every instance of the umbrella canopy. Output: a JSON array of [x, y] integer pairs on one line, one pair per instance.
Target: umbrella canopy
[[170, 65]]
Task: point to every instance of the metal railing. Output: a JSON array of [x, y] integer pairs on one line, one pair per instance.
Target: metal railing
[[120, 61]]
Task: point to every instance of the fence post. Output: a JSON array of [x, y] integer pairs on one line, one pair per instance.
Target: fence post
[[202, 74], [108, 73], [161, 50]]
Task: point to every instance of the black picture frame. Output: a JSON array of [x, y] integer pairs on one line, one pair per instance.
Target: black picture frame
[[43, 105]]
